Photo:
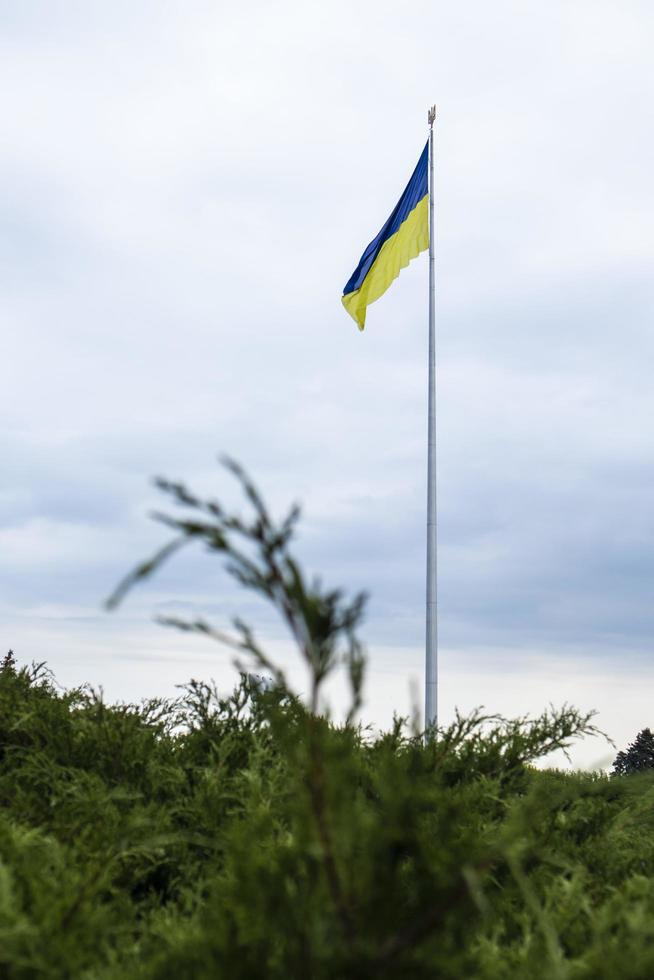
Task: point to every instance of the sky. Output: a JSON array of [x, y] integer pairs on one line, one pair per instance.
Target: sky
[[184, 190]]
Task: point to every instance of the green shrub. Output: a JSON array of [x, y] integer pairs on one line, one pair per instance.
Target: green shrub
[[248, 836]]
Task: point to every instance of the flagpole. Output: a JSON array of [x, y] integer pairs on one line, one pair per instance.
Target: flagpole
[[431, 637]]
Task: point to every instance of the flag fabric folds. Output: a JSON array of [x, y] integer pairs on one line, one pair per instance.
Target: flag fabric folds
[[403, 237]]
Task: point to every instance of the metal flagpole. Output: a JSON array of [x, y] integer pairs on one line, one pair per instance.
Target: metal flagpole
[[431, 639]]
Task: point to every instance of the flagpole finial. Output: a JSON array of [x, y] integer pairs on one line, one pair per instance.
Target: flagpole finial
[[431, 116]]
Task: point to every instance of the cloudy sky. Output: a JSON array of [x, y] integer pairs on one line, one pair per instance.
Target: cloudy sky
[[186, 187]]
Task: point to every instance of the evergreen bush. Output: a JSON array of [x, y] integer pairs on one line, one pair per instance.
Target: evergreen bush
[[249, 836]]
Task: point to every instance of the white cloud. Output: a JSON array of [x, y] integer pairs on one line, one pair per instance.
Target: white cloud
[[187, 188]]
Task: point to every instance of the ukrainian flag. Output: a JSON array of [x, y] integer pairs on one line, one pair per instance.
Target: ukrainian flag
[[405, 235]]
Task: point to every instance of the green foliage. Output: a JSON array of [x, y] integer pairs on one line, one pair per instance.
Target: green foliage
[[639, 756], [249, 836]]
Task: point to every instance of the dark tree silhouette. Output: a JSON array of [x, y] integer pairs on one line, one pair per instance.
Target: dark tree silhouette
[[638, 757]]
